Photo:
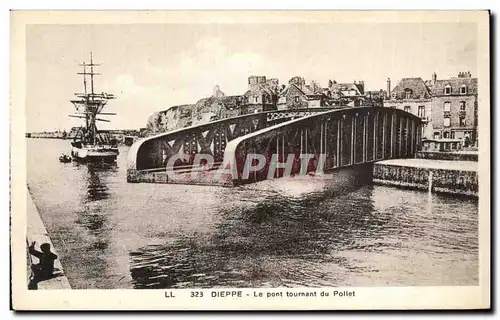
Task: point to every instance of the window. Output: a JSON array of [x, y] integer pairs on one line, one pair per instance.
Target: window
[[296, 99], [462, 122], [421, 111], [446, 122], [447, 89], [407, 94], [256, 99], [452, 135], [463, 89], [446, 135], [407, 109], [436, 135], [462, 105], [447, 106]]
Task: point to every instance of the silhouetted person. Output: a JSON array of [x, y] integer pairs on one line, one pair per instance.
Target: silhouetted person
[[45, 268]]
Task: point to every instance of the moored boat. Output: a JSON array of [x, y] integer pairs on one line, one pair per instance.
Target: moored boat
[[65, 158], [91, 144]]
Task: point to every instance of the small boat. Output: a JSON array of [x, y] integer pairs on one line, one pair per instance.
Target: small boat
[[65, 158]]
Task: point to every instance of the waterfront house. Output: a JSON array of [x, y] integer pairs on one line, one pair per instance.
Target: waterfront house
[[448, 107], [412, 95], [454, 109]]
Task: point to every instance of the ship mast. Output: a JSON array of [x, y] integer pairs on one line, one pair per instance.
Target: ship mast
[[84, 73], [92, 95], [92, 103]]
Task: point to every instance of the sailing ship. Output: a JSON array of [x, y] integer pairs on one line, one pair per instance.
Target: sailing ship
[[89, 143]]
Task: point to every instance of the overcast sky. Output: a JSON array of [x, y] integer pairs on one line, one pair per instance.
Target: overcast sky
[[151, 67]]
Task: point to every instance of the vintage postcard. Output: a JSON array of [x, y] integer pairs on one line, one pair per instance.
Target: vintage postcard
[[267, 160]]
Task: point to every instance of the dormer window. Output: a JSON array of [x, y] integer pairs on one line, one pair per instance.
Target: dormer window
[[408, 93], [463, 89], [447, 89]]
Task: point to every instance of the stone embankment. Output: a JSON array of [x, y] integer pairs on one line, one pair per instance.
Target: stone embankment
[[438, 176], [36, 232], [454, 156]]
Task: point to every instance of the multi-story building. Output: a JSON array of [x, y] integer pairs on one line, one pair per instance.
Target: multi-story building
[[454, 109], [353, 93], [262, 95], [299, 95], [412, 95], [448, 108]]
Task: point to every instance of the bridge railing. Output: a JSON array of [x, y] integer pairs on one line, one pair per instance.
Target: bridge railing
[[153, 153], [332, 139]]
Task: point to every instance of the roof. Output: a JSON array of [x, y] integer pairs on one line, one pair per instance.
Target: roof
[[259, 88], [307, 92], [456, 84], [375, 93], [417, 87], [345, 87]]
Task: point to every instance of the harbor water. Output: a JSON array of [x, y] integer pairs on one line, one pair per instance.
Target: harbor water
[[112, 234]]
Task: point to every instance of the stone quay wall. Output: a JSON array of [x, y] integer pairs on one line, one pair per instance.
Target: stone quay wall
[[453, 156], [36, 231], [437, 180]]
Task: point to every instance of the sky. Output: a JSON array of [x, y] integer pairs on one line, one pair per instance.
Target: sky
[[151, 67]]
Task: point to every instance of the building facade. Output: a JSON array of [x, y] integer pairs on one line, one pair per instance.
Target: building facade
[[262, 95], [448, 108], [454, 109], [345, 94], [298, 95], [412, 95]]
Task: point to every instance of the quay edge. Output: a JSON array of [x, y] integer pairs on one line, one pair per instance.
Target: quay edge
[[36, 231], [447, 177]]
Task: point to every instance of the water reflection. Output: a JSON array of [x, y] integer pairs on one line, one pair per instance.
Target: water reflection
[[95, 176], [250, 244], [93, 216]]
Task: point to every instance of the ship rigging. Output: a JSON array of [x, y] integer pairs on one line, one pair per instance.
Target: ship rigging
[[90, 143]]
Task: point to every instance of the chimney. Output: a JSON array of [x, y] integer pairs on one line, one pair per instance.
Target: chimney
[[388, 88], [252, 81], [361, 86], [434, 78]]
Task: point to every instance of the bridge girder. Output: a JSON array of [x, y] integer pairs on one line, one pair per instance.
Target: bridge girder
[[345, 137]]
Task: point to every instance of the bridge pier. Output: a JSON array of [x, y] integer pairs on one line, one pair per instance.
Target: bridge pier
[[347, 179]]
